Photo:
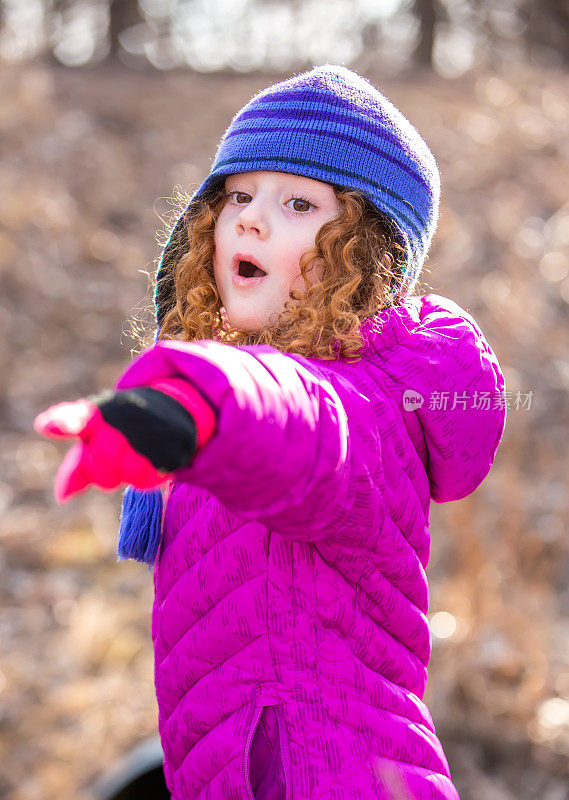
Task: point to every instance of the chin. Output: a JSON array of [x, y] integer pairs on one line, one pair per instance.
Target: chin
[[244, 322]]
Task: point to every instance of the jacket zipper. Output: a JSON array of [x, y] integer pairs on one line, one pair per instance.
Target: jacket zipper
[[252, 729], [283, 747]]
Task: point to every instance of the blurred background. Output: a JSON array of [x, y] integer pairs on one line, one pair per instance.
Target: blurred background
[[107, 110]]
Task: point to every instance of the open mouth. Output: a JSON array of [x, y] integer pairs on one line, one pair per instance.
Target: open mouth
[[249, 270]]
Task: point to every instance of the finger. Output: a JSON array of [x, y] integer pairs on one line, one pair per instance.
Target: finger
[[65, 420], [73, 475]]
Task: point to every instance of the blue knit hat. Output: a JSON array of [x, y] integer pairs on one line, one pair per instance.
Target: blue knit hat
[[332, 125]]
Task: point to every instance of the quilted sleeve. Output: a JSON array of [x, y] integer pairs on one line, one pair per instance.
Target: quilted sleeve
[[295, 447], [455, 387]]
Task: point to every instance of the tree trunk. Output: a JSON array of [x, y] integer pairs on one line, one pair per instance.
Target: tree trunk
[[123, 14], [547, 26], [426, 13]]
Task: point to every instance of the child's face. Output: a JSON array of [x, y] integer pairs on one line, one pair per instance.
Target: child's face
[[271, 219]]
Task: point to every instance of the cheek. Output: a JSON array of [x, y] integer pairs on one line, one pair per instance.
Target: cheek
[[217, 238], [217, 260], [215, 264], [221, 229], [316, 270], [218, 244]]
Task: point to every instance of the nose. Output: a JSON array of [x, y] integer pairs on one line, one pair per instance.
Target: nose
[[252, 219]]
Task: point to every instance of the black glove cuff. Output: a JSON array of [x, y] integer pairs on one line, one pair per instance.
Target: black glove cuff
[[155, 425]]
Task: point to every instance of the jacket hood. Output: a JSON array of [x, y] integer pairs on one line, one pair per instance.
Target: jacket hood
[[448, 384]]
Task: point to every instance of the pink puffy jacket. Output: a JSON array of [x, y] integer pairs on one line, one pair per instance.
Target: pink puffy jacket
[[290, 616]]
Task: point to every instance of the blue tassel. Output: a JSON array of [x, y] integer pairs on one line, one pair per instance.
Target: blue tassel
[[140, 525], [141, 520]]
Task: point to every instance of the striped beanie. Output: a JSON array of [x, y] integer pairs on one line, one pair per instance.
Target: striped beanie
[[332, 125]]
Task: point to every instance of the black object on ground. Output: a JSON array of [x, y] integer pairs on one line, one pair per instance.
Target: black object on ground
[[138, 776]]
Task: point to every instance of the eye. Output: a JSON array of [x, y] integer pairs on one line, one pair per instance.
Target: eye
[[239, 197], [300, 205]]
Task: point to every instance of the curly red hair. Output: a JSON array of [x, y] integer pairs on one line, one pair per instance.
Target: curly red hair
[[363, 258]]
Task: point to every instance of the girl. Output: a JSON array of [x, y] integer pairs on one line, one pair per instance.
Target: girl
[[302, 408]]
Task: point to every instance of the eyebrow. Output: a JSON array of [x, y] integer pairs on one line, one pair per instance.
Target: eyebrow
[[291, 185]]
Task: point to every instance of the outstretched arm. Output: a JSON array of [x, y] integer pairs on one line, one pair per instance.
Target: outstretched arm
[[294, 447], [138, 436]]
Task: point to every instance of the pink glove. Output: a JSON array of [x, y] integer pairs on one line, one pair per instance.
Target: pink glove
[[105, 457]]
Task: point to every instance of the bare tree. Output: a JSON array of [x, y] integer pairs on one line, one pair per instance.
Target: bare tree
[[123, 14], [426, 13], [547, 26]]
